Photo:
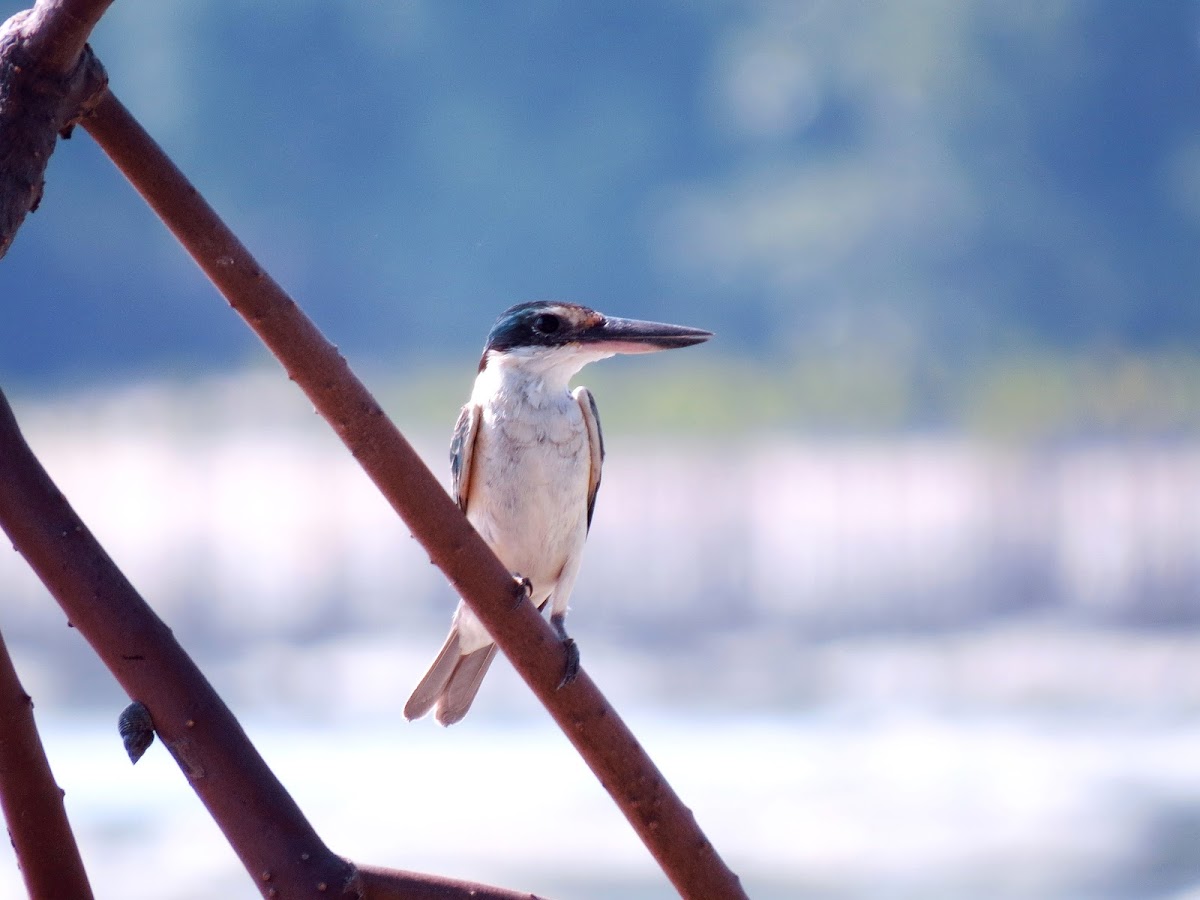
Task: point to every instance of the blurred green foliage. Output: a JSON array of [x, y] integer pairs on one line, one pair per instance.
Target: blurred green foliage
[[928, 214], [1023, 398]]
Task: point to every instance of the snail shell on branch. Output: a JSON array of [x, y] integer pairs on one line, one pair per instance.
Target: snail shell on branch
[[136, 729]]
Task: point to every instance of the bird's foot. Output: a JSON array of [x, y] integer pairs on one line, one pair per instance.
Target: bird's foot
[[570, 648], [524, 590], [571, 669]]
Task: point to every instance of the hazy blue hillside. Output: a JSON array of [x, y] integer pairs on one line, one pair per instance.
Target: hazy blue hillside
[[936, 181]]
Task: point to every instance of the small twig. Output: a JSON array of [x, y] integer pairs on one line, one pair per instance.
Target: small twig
[[665, 825], [32, 802], [377, 883]]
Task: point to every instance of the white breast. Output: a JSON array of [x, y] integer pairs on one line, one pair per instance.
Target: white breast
[[530, 475]]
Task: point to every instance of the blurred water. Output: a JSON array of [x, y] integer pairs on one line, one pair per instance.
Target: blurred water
[[921, 667], [899, 805]]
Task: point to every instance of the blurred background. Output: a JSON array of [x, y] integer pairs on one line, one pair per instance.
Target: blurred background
[[898, 579]]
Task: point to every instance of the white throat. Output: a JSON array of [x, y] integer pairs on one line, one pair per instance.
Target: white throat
[[538, 373]]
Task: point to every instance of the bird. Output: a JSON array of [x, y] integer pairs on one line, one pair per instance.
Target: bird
[[525, 462]]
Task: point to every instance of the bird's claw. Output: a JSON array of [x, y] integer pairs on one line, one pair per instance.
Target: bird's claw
[[571, 669], [524, 589]]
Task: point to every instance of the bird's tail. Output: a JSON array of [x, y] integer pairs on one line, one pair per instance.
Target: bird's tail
[[451, 682]]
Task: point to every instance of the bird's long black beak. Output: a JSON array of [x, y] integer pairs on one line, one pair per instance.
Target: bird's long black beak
[[634, 336]]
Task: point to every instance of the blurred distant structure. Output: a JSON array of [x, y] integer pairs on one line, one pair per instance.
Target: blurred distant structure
[[787, 543]]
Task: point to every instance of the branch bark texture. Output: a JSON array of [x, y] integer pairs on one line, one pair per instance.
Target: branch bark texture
[[264, 825], [49, 79], [33, 803], [664, 824]]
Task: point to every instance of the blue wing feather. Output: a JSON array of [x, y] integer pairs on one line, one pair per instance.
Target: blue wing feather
[[462, 448], [591, 418]]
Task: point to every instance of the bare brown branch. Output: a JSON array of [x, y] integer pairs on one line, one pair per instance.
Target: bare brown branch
[[377, 883], [268, 832], [33, 804], [48, 80], [664, 824], [58, 31]]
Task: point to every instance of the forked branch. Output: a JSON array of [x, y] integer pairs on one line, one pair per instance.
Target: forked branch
[[264, 825]]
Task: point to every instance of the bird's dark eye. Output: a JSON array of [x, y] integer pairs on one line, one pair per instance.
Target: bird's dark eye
[[546, 324]]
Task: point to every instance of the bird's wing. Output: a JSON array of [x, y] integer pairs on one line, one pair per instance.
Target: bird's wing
[[591, 418], [462, 448]]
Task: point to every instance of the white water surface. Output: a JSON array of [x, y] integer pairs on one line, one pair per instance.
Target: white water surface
[[895, 806]]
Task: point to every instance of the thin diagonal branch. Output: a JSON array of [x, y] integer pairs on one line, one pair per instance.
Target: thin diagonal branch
[[58, 31], [264, 825], [665, 825], [33, 804]]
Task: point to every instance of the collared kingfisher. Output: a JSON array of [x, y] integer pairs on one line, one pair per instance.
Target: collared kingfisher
[[525, 467]]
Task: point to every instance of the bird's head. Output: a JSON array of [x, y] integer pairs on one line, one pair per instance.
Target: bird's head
[[569, 336]]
